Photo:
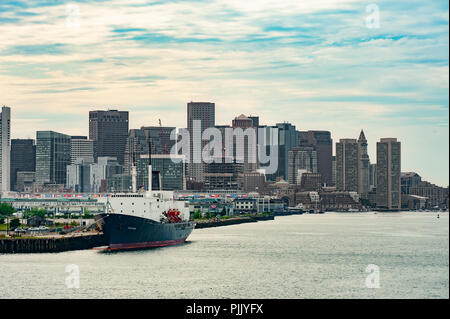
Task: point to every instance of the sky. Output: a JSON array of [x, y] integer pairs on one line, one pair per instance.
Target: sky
[[330, 65]]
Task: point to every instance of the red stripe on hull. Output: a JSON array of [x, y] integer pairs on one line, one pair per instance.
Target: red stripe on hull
[[147, 244]]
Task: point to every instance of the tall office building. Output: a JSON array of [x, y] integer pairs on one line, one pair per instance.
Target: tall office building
[[23, 158], [5, 149], [323, 144], [52, 157], [109, 131], [287, 139], [204, 113], [81, 149], [347, 165], [389, 174], [138, 143], [247, 148], [363, 165], [301, 159]]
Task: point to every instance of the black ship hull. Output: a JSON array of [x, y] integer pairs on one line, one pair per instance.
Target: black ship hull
[[131, 232]]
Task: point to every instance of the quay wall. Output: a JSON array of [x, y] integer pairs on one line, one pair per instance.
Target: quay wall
[[50, 245]]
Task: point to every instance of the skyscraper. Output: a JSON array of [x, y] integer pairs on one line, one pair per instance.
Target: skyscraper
[[352, 165], [248, 147], [389, 174], [347, 165], [5, 149], [204, 113], [301, 158], [52, 157], [323, 144], [81, 148], [287, 139], [109, 131], [363, 165], [23, 155]]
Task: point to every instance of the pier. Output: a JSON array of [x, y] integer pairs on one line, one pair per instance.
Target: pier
[[51, 244]]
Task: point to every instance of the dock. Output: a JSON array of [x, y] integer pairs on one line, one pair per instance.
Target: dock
[[51, 244]]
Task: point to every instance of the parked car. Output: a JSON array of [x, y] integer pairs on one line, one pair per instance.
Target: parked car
[[20, 230]]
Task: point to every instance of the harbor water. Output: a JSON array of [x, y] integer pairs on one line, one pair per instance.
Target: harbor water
[[332, 255]]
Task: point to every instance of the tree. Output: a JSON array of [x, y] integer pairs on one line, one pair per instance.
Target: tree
[[34, 212], [6, 209], [14, 223]]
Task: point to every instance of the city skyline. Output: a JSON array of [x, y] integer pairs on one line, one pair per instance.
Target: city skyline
[[335, 141], [317, 61]]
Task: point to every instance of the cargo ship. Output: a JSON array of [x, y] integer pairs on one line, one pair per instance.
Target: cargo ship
[[144, 219]]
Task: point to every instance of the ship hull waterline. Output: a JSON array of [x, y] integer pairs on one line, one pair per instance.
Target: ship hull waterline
[[132, 232]]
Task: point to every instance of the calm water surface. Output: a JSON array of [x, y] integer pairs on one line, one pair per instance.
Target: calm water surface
[[307, 256]]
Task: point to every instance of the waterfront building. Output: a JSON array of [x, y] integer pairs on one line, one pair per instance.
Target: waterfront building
[[23, 158], [52, 157], [322, 143], [301, 159], [409, 180], [224, 175], [109, 131], [5, 149], [311, 181], [254, 182], [389, 174], [438, 197], [204, 112], [81, 149]]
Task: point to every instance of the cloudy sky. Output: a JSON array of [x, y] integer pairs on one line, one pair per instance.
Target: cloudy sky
[[319, 64]]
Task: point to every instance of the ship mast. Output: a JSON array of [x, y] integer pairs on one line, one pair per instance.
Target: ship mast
[[133, 173], [150, 171]]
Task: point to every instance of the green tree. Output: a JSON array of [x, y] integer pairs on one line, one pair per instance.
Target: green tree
[[6, 209], [34, 212], [14, 223], [197, 215]]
